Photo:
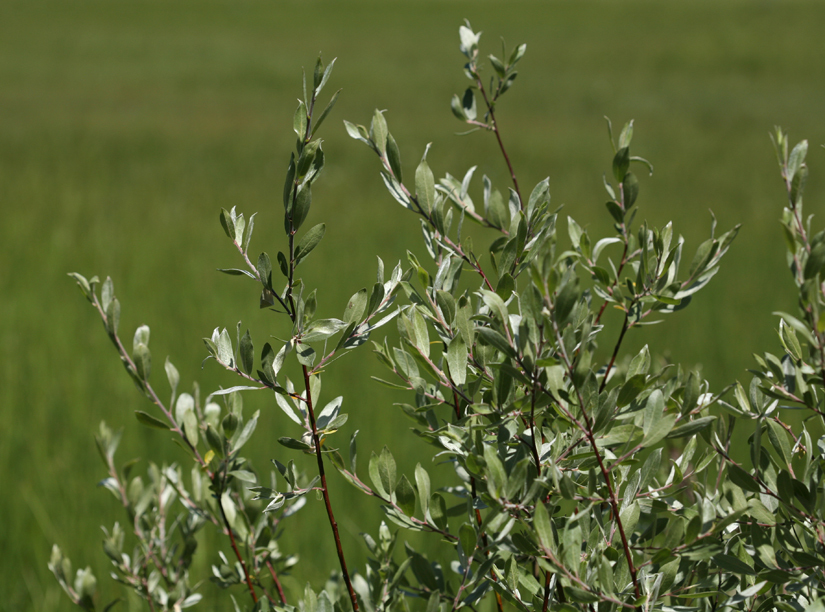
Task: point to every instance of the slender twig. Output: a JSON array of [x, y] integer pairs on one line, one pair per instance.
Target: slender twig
[[291, 311], [237, 552], [276, 581], [497, 132], [325, 491], [625, 326]]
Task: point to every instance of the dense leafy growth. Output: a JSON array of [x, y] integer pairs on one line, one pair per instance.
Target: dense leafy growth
[[583, 477]]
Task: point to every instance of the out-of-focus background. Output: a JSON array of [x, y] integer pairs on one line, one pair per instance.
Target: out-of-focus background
[[126, 124]]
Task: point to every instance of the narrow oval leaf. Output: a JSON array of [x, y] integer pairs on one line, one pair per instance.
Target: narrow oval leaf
[[147, 419], [355, 307], [309, 241], [405, 496], [425, 185], [457, 360]]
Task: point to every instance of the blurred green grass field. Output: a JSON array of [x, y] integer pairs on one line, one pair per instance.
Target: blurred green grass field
[[126, 124]]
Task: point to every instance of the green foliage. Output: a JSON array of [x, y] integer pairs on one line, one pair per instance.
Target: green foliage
[[582, 475]]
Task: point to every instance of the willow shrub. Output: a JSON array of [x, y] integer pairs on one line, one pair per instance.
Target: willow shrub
[[584, 478]]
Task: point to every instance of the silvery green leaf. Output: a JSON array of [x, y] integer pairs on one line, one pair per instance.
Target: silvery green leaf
[[107, 292], [278, 361], [143, 361], [796, 159], [172, 375], [83, 284], [626, 135], [237, 272], [227, 224], [378, 129], [299, 120], [458, 110], [249, 428], [322, 329], [141, 336], [358, 132], [421, 335], [422, 483], [250, 226], [190, 427], [284, 405], [225, 354], [425, 184], [517, 54], [394, 187], [599, 246], [469, 41], [330, 411], [185, 403], [355, 307], [659, 430], [240, 226], [386, 471], [319, 83], [457, 360]]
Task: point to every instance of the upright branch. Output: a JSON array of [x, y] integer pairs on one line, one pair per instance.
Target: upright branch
[[465, 108], [302, 173]]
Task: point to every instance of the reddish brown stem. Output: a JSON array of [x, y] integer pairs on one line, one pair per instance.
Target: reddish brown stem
[[238, 553], [625, 326], [325, 490], [497, 132], [546, 592], [276, 581]]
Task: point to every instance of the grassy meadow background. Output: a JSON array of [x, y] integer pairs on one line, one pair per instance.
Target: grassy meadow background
[[126, 124]]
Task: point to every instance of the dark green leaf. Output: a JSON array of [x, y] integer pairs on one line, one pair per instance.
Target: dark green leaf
[[621, 162], [227, 224], [394, 157], [742, 479], [630, 189], [309, 241], [405, 496], [264, 268], [293, 443], [691, 427], [303, 202], [495, 339], [327, 110], [147, 419], [246, 350]]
